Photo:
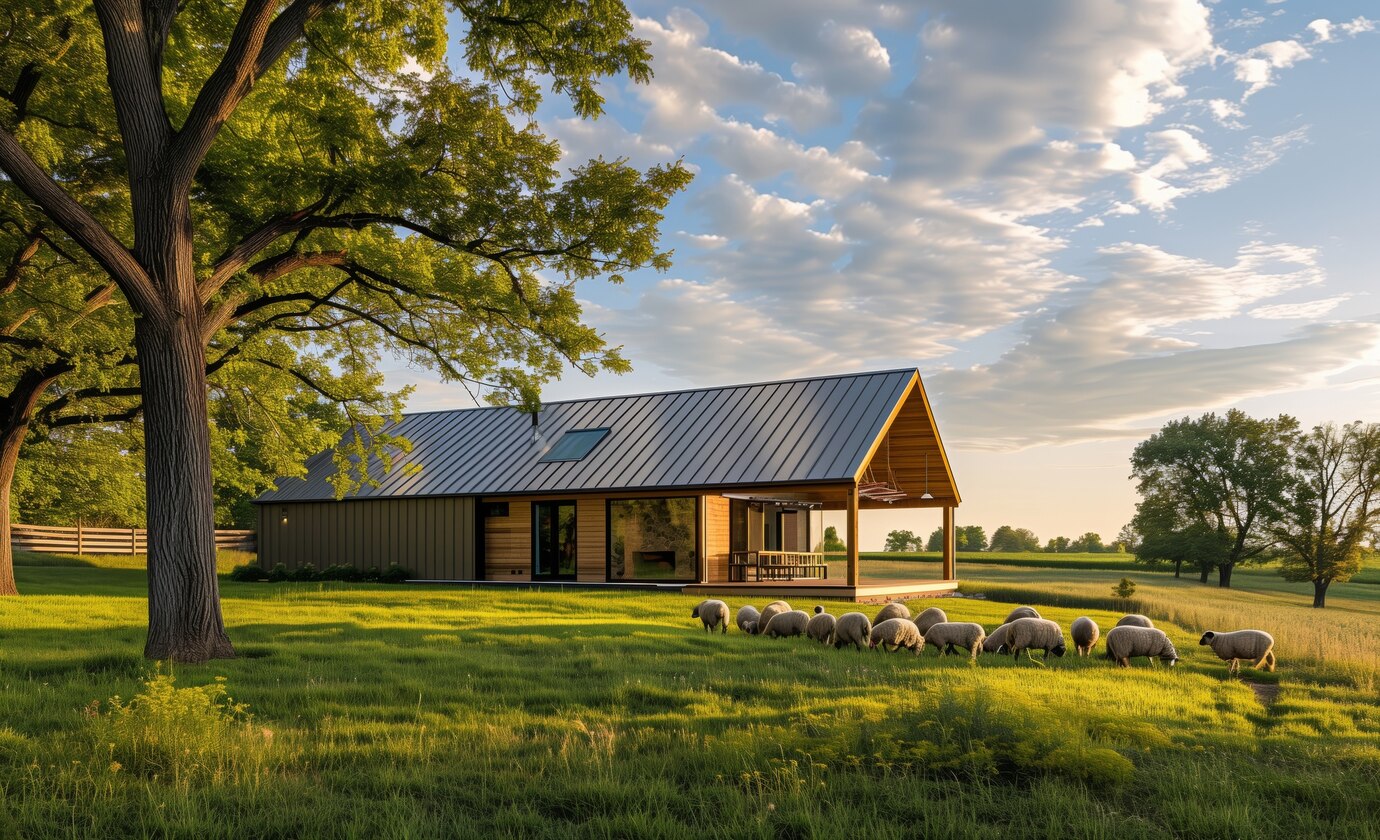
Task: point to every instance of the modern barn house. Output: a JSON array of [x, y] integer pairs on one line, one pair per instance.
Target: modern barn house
[[712, 490]]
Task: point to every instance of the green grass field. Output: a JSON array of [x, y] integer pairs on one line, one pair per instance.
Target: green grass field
[[378, 711]]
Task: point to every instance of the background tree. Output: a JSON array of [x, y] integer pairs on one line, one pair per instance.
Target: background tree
[[1089, 542], [898, 541], [1127, 539], [428, 206], [1171, 536], [1010, 539], [970, 538], [1331, 511], [1228, 473], [1057, 544], [935, 542], [832, 543]]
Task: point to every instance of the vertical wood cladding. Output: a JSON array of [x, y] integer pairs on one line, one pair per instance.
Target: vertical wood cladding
[[432, 538], [716, 527]]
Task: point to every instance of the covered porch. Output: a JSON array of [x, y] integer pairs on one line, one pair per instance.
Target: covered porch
[[770, 540]]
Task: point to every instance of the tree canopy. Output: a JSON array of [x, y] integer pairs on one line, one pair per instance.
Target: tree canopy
[[1013, 540], [1228, 473], [321, 170]]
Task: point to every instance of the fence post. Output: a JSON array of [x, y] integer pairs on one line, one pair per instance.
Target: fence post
[[133, 541], [81, 543]]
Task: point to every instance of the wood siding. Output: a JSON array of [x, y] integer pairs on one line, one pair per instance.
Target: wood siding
[[716, 528], [432, 538], [508, 539]]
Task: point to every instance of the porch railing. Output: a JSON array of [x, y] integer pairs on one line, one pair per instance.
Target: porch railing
[[776, 565]]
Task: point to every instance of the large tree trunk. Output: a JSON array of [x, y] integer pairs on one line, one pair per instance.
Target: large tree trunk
[[1224, 575], [1320, 593], [1178, 567], [9, 456], [1203, 573], [184, 595]]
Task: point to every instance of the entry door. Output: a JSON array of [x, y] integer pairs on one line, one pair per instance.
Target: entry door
[[787, 531], [553, 540]]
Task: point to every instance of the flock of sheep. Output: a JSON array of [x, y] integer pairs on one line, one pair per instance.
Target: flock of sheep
[[1024, 630]]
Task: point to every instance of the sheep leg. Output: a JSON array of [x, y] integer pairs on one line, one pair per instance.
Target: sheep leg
[[1268, 655]]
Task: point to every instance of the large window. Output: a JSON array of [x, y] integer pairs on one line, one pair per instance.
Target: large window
[[653, 539]]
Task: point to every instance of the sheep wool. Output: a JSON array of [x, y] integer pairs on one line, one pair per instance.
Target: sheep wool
[[821, 627], [713, 614], [1085, 633], [1135, 620], [1127, 641], [894, 609], [997, 640], [789, 623], [896, 633], [747, 618], [1255, 646], [1021, 612], [768, 612], [928, 618], [948, 636], [1029, 634], [854, 629]]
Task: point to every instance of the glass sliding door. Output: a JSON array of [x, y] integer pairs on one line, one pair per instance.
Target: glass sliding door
[[553, 541]]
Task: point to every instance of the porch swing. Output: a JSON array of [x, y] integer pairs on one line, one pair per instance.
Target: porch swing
[[872, 487]]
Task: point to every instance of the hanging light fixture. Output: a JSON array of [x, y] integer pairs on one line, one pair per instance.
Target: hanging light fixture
[[926, 494]]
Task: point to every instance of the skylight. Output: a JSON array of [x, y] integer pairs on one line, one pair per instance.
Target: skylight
[[574, 445]]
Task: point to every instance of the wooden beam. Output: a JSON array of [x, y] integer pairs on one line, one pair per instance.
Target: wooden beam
[[853, 536], [948, 549]]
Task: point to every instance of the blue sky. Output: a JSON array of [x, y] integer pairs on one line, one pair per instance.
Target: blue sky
[[1078, 218]]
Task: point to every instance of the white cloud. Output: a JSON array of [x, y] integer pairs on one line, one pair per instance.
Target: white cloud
[[849, 60], [1227, 113], [1306, 311], [1129, 347], [1358, 25], [1321, 29]]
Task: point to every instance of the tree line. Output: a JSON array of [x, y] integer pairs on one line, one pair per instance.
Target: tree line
[[1005, 539]]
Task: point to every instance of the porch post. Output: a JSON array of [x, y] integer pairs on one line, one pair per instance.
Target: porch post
[[948, 549], [853, 534]]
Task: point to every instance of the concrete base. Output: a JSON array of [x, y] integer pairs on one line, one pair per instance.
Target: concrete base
[[871, 592]]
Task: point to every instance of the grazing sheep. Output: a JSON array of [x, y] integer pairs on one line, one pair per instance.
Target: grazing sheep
[[821, 626], [748, 618], [1085, 633], [1029, 634], [1021, 612], [894, 609], [1127, 641], [770, 610], [930, 617], [713, 614], [791, 623], [948, 636], [1135, 620], [854, 629], [898, 633], [1252, 645], [997, 640]]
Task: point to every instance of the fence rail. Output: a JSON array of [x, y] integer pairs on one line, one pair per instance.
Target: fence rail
[[83, 540]]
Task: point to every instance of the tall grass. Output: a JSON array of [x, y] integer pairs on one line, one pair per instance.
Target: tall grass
[[433, 711]]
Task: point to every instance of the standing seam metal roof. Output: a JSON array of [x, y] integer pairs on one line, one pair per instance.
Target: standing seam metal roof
[[801, 430]]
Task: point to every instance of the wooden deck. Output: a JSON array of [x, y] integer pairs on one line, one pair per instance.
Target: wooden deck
[[867, 592]]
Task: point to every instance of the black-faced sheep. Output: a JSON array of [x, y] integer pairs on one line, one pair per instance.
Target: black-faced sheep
[[948, 636], [1085, 633], [1255, 646], [1129, 641], [748, 618], [713, 614], [928, 618], [896, 633], [894, 609], [854, 629], [770, 610], [1135, 620], [1021, 612], [791, 623], [1029, 634], [821, 627]]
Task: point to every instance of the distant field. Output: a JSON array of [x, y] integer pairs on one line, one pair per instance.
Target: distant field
[[376, 711]]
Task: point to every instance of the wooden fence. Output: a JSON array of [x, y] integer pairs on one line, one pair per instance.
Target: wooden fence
[[82, 540]]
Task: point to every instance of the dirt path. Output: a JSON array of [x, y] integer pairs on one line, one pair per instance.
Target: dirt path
[[1266, 693]]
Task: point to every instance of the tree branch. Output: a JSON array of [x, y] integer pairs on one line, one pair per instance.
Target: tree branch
[[64, 210], [247, 248]]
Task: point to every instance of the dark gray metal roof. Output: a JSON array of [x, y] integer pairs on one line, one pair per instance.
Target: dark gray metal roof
[[800, 430]]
